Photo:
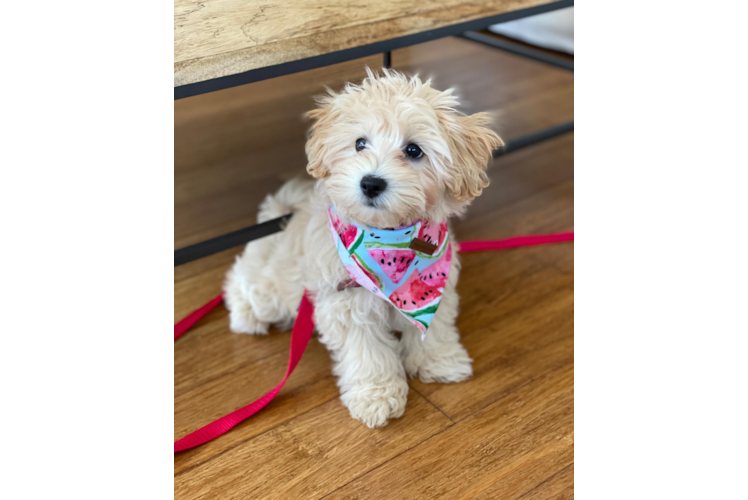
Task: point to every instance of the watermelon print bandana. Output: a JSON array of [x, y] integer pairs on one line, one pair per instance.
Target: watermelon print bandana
[[394, 265]]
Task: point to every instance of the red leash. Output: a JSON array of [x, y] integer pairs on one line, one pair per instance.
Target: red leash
[[302, 332], [181, 327]]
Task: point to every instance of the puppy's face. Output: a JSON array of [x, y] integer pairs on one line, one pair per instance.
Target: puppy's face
[[394, 150]]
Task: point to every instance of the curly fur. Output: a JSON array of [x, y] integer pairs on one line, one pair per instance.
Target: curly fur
[[265, 285]]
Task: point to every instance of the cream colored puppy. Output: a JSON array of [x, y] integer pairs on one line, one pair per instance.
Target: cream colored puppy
[[427, 161]]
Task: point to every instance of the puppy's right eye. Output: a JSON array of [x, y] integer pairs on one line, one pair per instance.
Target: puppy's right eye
[[360, 144]]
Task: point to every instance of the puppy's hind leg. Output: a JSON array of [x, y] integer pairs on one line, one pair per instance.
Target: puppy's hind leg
[[263, 287], [238, 290]]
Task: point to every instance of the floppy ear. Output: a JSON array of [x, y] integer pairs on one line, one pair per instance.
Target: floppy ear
[[471, 144], [315, 144]]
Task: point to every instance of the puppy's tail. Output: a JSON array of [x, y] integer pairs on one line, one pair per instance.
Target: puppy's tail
[[289, 198]]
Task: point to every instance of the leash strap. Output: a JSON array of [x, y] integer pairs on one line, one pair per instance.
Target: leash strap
[[181, 327], [302, 332]]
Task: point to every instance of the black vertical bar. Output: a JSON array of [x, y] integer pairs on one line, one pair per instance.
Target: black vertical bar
[[388, 59]]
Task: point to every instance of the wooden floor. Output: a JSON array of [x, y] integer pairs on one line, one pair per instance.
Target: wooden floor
[[506, 433], [509, 431]]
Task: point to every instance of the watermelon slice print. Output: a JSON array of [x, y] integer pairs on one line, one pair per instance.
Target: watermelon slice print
[[414, 294], [394, 263], [336, 222], [436, 274], [347, 233], [373, 277], [348, 236], [433, 233]]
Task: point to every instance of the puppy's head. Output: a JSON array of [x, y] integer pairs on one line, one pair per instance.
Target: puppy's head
[[393, 150]]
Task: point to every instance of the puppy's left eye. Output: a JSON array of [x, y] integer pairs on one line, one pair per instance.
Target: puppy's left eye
[[413, 151]]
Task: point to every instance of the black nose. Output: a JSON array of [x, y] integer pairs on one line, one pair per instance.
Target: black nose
[[373, 186]]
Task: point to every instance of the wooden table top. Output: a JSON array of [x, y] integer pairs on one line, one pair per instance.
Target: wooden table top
[[215, 38]]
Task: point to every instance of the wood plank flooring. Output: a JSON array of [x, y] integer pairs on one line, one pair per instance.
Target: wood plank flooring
[[517, 325]]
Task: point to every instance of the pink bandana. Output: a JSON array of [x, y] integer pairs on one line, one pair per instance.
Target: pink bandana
[[407, 266]]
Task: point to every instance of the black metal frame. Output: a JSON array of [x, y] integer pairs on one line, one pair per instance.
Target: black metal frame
[[230, 240], [464, 30]]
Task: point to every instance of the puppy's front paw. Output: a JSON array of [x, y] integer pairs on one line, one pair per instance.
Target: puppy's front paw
[[243, 320], [445, 365], [375, 405]]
